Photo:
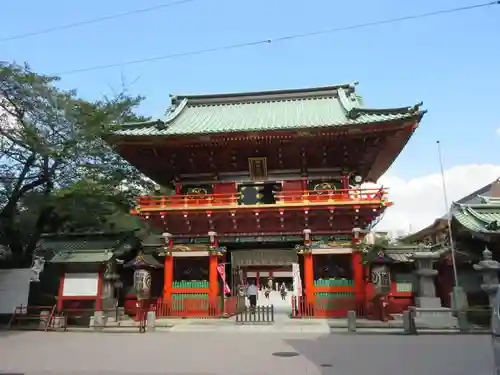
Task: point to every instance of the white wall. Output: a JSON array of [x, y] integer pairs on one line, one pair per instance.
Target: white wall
[[80, 284], [14, 289]]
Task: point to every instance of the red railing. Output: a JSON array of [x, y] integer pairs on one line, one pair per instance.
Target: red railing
[[145, 202], [341, 195], [197, 307], [325, 307], [39, 317], [305, 197]]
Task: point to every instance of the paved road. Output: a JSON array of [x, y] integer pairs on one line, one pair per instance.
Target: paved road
[[242, 354]]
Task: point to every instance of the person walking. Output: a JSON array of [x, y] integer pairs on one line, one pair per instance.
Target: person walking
[[267, 292], [283, 291], [252, 292]]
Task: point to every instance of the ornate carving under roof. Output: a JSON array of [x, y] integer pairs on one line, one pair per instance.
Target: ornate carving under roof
[[143, 260]]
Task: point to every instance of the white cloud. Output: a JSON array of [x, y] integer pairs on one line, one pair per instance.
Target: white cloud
[[419, 201], [498, 131]]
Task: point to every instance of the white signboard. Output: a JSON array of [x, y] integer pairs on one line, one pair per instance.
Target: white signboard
[[14, 289], [80, 284]]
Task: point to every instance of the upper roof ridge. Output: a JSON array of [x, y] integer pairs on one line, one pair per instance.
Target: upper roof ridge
[[268, 95]]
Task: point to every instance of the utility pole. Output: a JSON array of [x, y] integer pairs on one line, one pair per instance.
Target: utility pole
[[456, 289]]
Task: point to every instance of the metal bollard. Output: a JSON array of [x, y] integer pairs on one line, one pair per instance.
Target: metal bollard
[[351, 321]]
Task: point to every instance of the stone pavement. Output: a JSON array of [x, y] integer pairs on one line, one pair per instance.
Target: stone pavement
[[39, 353]]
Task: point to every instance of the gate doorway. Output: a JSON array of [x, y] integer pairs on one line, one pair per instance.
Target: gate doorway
[[265, 267]]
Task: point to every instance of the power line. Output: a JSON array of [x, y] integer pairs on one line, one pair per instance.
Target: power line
[[94, 20], [281, 39]]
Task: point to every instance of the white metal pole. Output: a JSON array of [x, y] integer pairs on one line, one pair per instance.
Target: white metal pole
[[448, 210]]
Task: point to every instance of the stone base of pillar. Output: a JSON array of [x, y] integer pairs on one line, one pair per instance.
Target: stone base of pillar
[[438, 318], [428, 302], [458, 299], [98, 321]]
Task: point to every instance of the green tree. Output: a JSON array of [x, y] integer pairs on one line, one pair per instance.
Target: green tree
[[370, 250], [55, 168]]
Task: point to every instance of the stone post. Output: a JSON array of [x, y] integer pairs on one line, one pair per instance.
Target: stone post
[[151, 321], [425, 273], [351, 321], [110, 280], [489, 269]]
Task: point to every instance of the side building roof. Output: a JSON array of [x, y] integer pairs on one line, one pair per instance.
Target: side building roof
[[318, 107], [92, 247], [481, 219], [474, 201]]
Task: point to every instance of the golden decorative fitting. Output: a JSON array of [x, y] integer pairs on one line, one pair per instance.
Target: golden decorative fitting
[[167, 250], [304, 250]]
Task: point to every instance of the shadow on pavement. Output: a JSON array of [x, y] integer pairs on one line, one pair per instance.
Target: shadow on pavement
[[396, 355], [4, 333]]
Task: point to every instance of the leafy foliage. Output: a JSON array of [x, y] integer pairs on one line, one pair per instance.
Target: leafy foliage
[[378, 245], [56, 173]]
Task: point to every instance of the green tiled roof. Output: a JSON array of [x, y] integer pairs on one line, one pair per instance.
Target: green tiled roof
[[95, 256], [66, 245], [85, 248], [479, 218], [265, 111]]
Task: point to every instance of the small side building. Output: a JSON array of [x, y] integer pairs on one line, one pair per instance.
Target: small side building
[[475, 226], [81, 270]]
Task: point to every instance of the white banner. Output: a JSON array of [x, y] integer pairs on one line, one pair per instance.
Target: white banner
[[221, 268], [297, 282], [14, 289]]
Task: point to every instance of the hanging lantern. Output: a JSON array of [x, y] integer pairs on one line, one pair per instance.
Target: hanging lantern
[[142, 283], [381, 279]]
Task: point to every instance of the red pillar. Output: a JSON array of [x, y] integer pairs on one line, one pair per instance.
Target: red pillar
[[357, 269], [60, 293], [344, 180], [169, 269], [308, 267], [309, 277], [358, 276], [213, 277], [98, 300]]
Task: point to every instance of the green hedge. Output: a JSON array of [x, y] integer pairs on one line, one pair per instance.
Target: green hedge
[[333, 282], [190, 284]]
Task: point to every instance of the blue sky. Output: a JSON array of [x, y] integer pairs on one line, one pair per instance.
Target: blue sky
[[449, 62]]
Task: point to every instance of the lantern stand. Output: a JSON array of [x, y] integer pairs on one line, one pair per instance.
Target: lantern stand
[[142, 265], [381, 279]]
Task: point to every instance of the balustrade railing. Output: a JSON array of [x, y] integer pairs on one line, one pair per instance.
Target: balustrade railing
[[306, 197]]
